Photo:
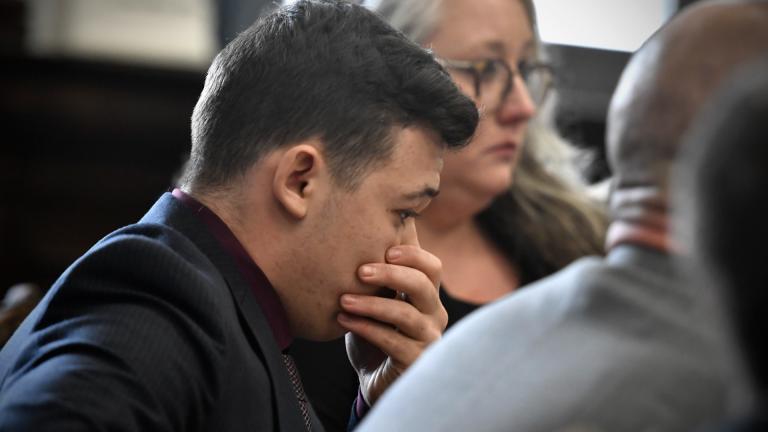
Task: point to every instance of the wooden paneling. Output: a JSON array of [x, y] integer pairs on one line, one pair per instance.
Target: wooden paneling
[[87, 147]]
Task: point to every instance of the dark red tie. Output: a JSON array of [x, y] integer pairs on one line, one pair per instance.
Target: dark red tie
[[293, 373]]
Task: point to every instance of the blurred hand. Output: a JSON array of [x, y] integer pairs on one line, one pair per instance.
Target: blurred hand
[[388, 334]]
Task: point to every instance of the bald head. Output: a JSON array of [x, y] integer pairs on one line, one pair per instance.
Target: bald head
[[663, 88]]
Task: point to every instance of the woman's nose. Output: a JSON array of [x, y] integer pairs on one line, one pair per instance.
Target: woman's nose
[[518, 105]]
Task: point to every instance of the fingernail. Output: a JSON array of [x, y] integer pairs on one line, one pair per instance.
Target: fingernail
[[367, 271], [348, 300], [394, 253], [344, 317]]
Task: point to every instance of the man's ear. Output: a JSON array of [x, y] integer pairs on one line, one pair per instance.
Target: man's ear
[[297, 178]]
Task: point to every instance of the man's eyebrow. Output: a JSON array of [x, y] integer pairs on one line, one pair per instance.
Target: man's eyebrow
[[428, 192]]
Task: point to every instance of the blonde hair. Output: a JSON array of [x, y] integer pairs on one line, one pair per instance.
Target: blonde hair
[[546, 214]]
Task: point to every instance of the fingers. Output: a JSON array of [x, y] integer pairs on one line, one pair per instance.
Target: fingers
[[416, 282], [416, 257], [400, 329], [401, 350], [395, 314], [421, 293]]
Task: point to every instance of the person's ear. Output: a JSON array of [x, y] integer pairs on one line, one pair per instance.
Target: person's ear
[[297, 178]]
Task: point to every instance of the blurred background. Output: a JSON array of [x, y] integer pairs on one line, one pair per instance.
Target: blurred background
[[96, 97]]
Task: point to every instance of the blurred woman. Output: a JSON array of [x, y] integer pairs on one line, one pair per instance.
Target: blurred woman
[[505, 216]]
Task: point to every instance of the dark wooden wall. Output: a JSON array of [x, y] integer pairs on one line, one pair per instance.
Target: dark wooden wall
[[86, 148]]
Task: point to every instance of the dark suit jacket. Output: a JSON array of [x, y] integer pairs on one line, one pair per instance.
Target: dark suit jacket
[[153, 329]]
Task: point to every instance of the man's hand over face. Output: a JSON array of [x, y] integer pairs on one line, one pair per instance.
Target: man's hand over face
[[388, 334]]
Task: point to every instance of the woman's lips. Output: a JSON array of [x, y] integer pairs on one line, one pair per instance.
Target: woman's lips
[[508, 149]]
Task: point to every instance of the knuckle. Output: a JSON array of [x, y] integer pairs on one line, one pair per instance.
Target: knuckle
[[390, 340], [410, 249], [436, 270], [434, 337], [413, 321], [442, 318], [437, 263], [424, 280], [384, 271]]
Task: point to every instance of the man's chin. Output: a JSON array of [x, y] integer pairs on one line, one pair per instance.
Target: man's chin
[[332, 332]]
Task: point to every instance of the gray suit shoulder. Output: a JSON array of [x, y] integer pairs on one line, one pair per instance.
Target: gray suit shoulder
[[605, 344]]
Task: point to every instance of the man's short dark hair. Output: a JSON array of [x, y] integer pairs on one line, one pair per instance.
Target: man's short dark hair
[[326, 69]]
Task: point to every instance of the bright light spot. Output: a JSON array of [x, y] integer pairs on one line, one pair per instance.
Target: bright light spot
[[619, 25]]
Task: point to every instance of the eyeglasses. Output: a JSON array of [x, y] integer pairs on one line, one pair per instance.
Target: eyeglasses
[[494, 79]]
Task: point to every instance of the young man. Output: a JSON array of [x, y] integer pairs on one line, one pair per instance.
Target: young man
[[317, 138]]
